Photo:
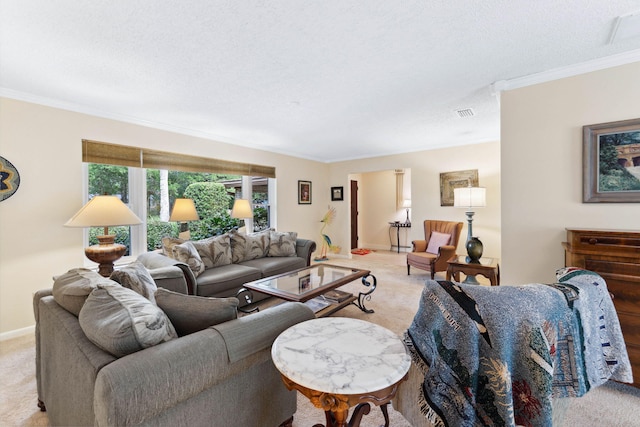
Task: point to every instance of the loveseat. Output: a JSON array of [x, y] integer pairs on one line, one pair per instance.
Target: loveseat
[[108, 356], [219, 266]]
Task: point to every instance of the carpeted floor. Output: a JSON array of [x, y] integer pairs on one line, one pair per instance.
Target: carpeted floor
[[395, 301]]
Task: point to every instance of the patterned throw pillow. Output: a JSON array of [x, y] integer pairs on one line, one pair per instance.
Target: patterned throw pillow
[[71, 289], [245, 247], [121, 322], [136, 277], [187, 253], [436, 240], [221, 250], [205, 250], [168, 243], [190, 313], [282, 243]]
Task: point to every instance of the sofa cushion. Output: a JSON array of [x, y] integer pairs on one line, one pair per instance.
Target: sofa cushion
[[136, 277], [436, 240], [215, 251], [245, 247], [186, 252], [226, 280], [282, 243], [270, 266], [120, 321], [168, 243], [71, 289], [190, 313]]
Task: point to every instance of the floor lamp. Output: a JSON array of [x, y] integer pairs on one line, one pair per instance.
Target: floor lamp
[[470, 198]]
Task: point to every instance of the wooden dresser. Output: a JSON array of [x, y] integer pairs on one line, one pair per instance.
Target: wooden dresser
[[615, 255]]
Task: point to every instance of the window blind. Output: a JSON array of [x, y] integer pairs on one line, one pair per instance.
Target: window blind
[[123, 155]]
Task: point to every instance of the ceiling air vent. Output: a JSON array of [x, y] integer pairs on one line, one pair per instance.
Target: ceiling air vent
[[465, 112]]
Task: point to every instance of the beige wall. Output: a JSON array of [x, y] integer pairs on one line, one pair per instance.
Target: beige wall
[[43, 143], [425, 167], [541, 167]]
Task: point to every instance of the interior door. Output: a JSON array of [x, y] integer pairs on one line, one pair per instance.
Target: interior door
[[354, 214]]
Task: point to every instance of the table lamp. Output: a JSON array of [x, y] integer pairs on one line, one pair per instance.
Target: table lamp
[[407, 205], [184, 210], [104, 211], [470, 198], [241, 209]]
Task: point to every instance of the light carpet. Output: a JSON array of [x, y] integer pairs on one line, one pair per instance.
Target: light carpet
[[395, 301]]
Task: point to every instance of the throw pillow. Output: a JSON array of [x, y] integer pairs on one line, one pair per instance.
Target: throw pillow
[[187, 253], [205, 250], [71, 289], [282, 243], [190, 313], [245, 247], [436, 240], [121, 322], [168, 243], [136, 277], [221, 250]]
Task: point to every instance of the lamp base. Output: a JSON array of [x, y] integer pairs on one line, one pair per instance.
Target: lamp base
[[105, 254]]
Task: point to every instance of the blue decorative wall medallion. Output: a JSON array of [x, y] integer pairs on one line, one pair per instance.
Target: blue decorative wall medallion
[[9, 179]]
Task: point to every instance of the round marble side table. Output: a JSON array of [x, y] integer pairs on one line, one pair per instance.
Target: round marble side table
[[338, 362]]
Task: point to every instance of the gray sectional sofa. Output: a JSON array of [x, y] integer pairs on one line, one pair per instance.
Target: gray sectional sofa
[[94, 368], [245, 258]]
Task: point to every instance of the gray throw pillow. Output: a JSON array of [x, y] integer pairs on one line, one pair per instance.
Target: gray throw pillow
[[186, 252], [136, 277], [245, 247], [71, 289], [121, 322], [282, 243], [190, 313]]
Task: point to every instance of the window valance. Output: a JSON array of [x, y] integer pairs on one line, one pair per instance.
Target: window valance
[[123, 155]]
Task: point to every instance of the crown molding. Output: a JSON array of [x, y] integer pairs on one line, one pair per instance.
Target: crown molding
[[569, 71]]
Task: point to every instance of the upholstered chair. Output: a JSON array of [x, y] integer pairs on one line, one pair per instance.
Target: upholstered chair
[[439, 246]]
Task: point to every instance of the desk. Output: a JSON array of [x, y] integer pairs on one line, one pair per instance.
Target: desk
[[487, 267], [398, 225], [339, 362]]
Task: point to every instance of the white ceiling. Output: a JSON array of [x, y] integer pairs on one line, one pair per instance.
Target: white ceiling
[[320, 79]]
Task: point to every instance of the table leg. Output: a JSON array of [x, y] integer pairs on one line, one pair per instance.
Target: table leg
[[385, 414]]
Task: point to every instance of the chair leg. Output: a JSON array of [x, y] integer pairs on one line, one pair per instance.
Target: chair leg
[[408, 267], [433, 274]]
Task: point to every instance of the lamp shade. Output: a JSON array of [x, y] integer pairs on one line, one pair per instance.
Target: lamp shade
[[103, 211], [406, 203], [469, 197], [184, 210], [241, 209]]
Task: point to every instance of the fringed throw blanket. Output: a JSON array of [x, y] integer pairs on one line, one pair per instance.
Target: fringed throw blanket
[[497, 355]]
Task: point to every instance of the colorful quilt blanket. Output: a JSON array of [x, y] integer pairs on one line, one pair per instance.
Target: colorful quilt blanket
[[496, 356]]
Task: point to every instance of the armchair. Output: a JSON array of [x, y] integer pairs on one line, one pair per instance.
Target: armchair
[[433, 257]]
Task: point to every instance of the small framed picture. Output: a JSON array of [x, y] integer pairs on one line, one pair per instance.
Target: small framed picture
[[304, 192], [304, 282], [336, 193]]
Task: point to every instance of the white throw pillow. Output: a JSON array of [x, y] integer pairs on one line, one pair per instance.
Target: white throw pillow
[[437, 239]]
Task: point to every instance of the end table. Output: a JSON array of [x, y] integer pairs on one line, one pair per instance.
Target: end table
[[487, 267]]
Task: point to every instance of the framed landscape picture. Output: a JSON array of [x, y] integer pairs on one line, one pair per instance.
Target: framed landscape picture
[[304, 192], [611, 162], [457, 179]]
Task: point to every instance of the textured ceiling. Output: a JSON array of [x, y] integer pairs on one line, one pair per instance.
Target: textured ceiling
[[321, 79]]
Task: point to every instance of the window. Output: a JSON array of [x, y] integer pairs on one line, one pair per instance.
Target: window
[[150, 192]]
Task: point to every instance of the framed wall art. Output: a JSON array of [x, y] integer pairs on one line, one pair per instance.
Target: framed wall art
[[336, 193], [304, 192], [611, 162], [457, 179], [9, 179]]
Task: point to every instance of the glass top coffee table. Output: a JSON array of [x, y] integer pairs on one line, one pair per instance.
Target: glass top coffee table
[[316, 283]]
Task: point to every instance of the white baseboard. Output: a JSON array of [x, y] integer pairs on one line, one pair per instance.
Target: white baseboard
[[18, 333]]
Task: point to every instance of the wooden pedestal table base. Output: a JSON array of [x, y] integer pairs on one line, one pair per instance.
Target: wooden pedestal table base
[[338, 363], [336, 406]]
